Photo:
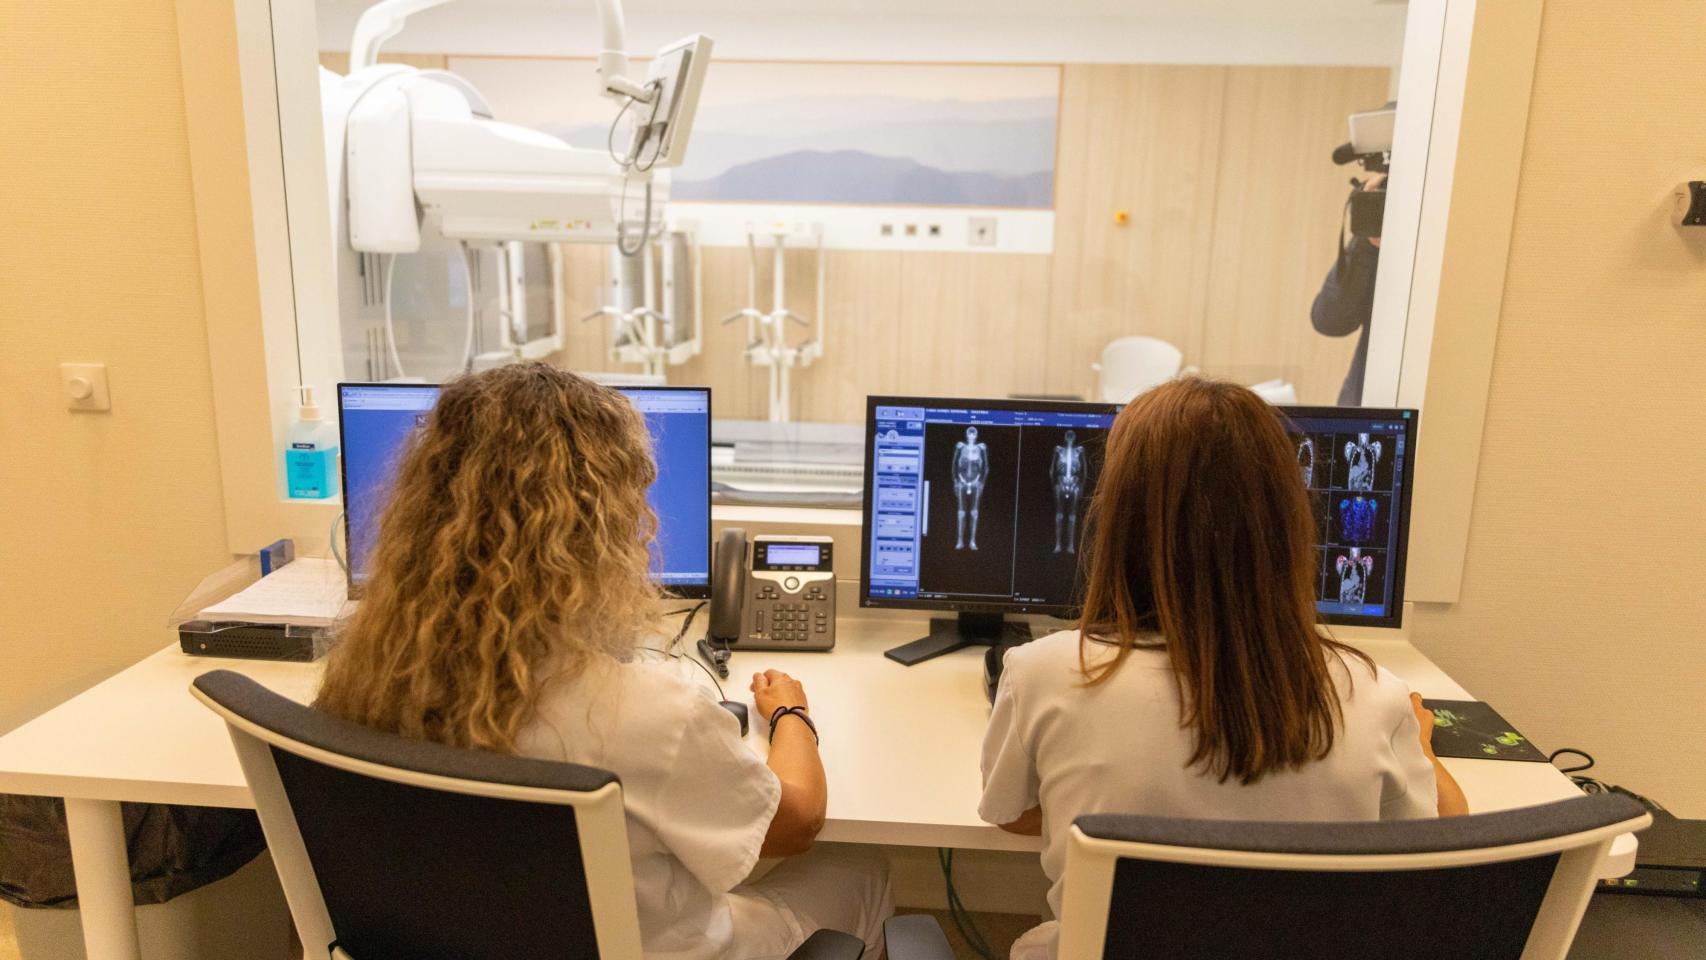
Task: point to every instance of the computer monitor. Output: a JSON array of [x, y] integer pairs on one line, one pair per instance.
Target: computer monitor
[[977, 507], [376, 420], [1359, 464]]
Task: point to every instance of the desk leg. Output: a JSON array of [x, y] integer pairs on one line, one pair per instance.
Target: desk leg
[[102, 866]]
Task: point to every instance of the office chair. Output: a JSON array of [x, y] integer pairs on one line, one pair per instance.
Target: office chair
[[390, 848], [1499, 886], [1131, 365]]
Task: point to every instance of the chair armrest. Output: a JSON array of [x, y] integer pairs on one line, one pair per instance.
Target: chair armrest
[[829, 945], [916, 937]]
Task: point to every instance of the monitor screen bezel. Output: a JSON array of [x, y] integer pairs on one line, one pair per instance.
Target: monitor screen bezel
[[865, 526], [690, 591], [1394, 618]]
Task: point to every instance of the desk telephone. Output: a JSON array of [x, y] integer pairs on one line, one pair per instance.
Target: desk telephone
[[778, 593]]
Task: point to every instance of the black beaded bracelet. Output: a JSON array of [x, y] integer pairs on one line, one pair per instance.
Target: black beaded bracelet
[[793, 712]]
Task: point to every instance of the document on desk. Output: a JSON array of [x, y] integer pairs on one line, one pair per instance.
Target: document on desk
[[309, 592]]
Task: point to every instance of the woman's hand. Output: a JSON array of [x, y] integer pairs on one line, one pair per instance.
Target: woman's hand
[[772, 690]]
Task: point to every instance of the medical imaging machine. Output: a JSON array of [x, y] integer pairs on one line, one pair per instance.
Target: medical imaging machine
[[440, 211]]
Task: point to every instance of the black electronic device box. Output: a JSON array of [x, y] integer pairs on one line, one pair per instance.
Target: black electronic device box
[[977, 507], [1670, 860], [254, 641]]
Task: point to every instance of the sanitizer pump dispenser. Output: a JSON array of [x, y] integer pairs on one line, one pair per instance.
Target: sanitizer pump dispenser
[[310, 459]]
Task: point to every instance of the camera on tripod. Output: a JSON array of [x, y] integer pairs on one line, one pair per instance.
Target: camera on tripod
[[1371, 146]]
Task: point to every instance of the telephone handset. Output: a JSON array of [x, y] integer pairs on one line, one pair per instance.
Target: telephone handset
[[778, 593]]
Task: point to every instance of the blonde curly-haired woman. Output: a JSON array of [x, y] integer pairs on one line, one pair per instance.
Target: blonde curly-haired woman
[[508, 600]]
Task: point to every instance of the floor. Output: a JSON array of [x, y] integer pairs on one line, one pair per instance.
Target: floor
[[999, 931]]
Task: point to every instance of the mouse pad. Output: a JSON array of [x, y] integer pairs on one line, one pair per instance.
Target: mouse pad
[[1472, 730]]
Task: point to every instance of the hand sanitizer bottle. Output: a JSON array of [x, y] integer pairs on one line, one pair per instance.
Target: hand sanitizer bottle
[[310, 460]]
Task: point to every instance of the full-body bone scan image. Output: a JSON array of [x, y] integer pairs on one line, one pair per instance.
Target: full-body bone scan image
[[1354, 572], [971, 472], [1066, 473], [1362, 454]]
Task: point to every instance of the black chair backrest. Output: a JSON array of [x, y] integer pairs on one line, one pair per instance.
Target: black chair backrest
[[1168, 910], [416, 851]]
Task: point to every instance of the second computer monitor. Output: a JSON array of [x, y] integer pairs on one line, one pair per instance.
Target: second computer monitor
[[377, 419], [1359, 465], [979, 506]]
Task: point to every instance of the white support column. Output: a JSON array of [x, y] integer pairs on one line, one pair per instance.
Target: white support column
[[101, 864]]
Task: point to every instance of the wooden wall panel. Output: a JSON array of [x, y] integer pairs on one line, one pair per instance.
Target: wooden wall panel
[[972, 325], [1278, 205], [1143, 140], [586, 343], [865, 338]]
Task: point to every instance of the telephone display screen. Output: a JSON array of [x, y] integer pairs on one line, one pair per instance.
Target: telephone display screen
[[793, 556], [377, 420]]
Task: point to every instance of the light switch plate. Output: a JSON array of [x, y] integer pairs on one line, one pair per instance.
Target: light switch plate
[[85, 386]]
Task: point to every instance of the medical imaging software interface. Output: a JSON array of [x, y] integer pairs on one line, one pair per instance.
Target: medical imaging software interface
[[377, 421], [973, 505], [1354, 470]]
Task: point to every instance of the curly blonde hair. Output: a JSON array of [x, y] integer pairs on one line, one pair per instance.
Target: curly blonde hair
[[514, 549]]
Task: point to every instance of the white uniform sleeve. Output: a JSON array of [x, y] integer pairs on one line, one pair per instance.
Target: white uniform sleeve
[[718, 799], [1410, 792], [1010, 781]]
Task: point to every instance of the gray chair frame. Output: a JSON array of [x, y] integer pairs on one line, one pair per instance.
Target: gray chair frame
[[264, 725], [1577, 832]]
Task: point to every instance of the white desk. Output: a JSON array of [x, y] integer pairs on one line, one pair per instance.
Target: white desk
[[900, 745]]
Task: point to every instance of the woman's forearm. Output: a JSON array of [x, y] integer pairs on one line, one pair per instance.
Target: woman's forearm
[[1452, 802], [805, 792]]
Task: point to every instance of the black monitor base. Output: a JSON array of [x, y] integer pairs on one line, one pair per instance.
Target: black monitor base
[[965, 630]]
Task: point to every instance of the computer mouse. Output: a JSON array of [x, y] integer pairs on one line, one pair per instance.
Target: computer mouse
[[738, 709]]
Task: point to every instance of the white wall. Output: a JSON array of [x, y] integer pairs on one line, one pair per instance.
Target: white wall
[[1583, 616]]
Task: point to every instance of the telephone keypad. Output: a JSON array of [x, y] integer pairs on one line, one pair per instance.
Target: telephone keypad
[[785, 620]]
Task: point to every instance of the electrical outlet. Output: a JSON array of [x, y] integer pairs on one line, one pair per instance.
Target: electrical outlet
[[980, 231], [887, 230], [935, 229], [912, 229]]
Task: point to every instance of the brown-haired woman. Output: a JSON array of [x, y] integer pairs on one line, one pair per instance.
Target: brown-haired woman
[[508, 600], [1198, 683]]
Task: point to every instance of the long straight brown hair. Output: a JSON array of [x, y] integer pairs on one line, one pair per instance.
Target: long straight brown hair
[[1202, 534]]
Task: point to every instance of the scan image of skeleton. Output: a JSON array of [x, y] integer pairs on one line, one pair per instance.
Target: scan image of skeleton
[[1354, 572], [1306, 460], [1362, 454], [971, 472], [1066, 475]]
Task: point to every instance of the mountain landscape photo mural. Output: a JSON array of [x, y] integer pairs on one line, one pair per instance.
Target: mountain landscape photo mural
[[870, 133]]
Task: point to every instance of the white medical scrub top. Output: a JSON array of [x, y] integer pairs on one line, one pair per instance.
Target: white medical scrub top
[[698, 801], [1118, 747]]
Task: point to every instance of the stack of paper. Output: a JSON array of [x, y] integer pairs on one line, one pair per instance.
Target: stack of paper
[[308, 592]]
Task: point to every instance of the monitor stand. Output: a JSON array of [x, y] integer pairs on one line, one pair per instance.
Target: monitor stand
[[965, 630]]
